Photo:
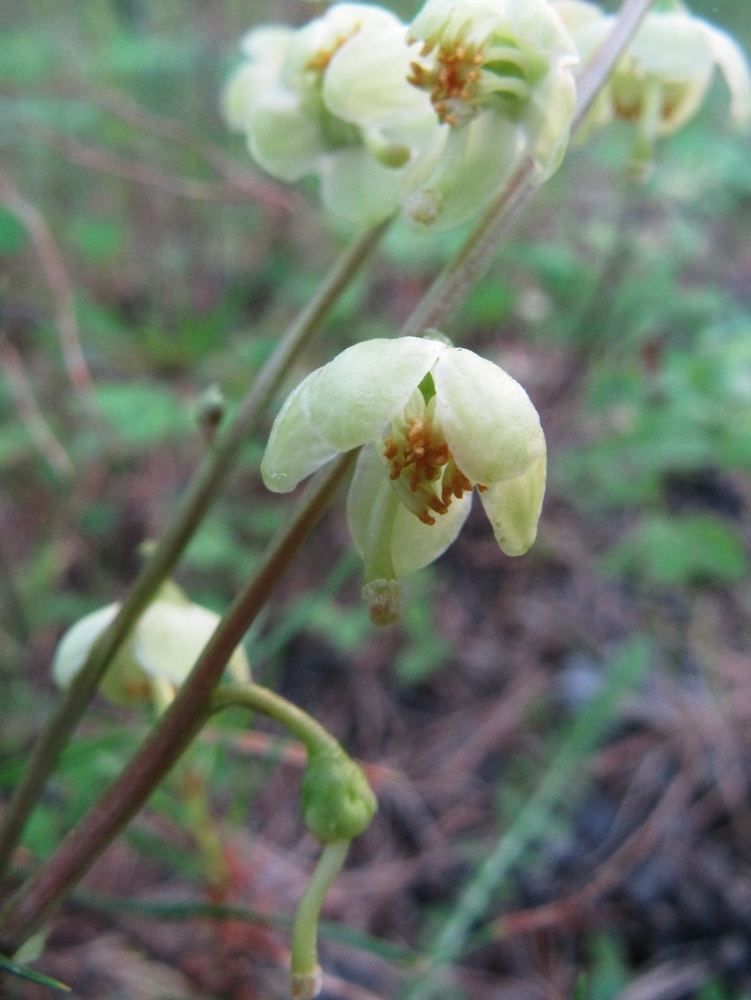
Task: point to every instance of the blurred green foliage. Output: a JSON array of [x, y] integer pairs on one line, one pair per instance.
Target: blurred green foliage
[[634, 304]]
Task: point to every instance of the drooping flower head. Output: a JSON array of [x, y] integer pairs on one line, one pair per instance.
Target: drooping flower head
[[662, 80], [498, 77], [276, 96], [155, 658], [431, 119], [436, 421]]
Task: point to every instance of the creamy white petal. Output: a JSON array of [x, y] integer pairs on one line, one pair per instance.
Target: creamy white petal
[[513, 508], [170, 637], [284, 137], [76, 644], [462, 176], [354, 397], [366, 80], [264, 49], [414, 544], [294, 450], [734, 66], [490, 424], [672, 47], [356, 187], [375, 520]]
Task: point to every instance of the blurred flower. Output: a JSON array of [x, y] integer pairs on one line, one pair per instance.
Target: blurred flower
[[498, 77], [663, 79], [156, 657], [435, 421], [278, 99]]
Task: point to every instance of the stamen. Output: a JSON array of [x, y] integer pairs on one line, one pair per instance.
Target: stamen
[[421, 467]]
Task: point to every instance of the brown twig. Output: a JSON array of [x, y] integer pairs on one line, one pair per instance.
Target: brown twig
[[61, 289], [29, 412]]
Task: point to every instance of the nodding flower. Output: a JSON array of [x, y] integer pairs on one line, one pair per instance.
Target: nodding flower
[[662, 80], [155, 658], [435, 423]]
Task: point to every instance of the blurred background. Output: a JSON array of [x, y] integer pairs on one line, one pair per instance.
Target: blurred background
[[559, 743]]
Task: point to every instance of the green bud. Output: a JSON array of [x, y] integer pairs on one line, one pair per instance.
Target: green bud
[[337, 801]]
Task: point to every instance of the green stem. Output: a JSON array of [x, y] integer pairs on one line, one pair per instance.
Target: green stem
[[37, 898], [201, 493], [476, 255], [306, 972], [32, 904], [260, 699]]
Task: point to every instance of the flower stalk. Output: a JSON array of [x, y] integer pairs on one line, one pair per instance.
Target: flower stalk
[[476, 254], [201, 493], [37, 898], [33, 903]]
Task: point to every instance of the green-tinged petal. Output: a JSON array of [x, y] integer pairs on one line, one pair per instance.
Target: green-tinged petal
[[124, 683], [734, 66], [548, 117], [378, 520], [490, 424], [76, 644], [264, 50], [673, 47], [284, 137], [366, 81], [514, 506], [356, 187], [453, 183], [415, 544], [170, 637], [355, 396], [294, 450], [316, 42], [577, 14]]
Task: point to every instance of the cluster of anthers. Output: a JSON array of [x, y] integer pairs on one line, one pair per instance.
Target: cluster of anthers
[[452, 83], [418, 456], [319, 61]]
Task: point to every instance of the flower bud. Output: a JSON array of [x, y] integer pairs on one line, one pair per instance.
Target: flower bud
[[337, 801]]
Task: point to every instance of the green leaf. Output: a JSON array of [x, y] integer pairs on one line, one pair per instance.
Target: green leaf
[[143, 413], [35, 977], [12, 233], [671, 551]]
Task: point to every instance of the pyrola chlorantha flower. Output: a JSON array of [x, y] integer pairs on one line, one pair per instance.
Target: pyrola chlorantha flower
[[663, 78], [277, 98], [155, 658], [435, 422], [498, 76]]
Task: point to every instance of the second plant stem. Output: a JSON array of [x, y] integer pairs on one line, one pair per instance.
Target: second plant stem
[[200, 495]]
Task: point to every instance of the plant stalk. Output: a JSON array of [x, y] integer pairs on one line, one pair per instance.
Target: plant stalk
[[476, 255], [37, 898], [201, 493]]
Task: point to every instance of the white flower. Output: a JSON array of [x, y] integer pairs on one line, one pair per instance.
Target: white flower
[[278, 99], [662, 80], [498, 77], [159, 653], [435, 421]]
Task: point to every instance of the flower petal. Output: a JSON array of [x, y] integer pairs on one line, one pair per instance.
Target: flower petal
[[283, 136], [366, 81], [414, 544], [76, 644], [294, 450], [170, 637], [490, 424], [356, 187], [354, 397], [514, 506], [409, 543], [732, 62]]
